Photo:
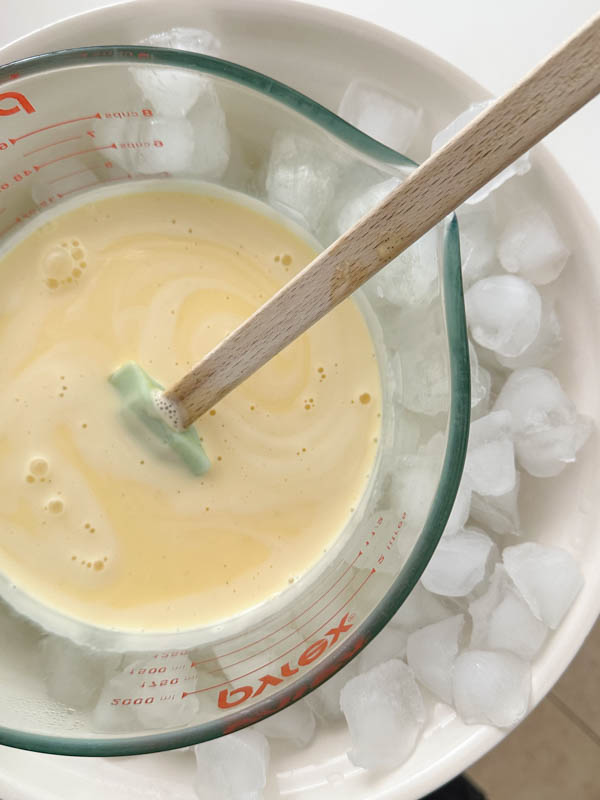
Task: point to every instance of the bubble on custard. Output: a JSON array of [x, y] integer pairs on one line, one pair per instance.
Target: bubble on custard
[[168, 410], [55, 506], [38, 467]]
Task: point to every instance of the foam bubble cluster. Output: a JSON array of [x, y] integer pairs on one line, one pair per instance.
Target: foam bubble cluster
[[63, 264]]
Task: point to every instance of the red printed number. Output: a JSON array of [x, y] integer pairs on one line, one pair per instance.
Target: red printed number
[[127, 701]]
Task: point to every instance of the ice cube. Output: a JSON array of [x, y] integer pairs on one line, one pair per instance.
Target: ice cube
[[519, 167], [461, 508], [431, 652], [502, 620], [377, 112], [295, 723], [159, 707], [411, 279], [212, 146], [545, 345], [499, 514], [491, 688], [481, 608], [477, 237], [75, 675], [325, 700], [513, 627], [547, 430], [459, 563], [232, 767], [419, 609], [357, 207], [481, 382], [170, 147], [196, 146], [173, 91], [531, 246], [504, 313], [549, 579], [413, 486], [420, 366], [389, 643], [490, 462], [385, 714], [301, 179], [193, 40]]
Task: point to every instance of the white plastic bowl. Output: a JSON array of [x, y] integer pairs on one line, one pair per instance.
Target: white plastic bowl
[[319, 52]]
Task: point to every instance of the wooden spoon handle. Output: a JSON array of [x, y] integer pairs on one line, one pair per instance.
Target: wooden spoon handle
[[553, 91]]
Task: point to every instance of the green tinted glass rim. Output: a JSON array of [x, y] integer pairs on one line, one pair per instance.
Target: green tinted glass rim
[[458, 419]]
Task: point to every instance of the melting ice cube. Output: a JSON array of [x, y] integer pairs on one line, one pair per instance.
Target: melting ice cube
[[385, 714], [502, 620], [431, 652], [499, 514], [547, 429], [545, 345], [504, 313], [549, 579], [459, 563], [531, 246], [491, 687], [232, 767], [171, 91], [75, 675], [490, 462], [377, 112], [295, 723], [301, 179]]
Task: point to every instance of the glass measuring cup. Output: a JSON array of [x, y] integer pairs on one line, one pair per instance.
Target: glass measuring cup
[[78, 120]]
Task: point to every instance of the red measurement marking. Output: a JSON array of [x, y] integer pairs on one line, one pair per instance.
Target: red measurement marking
[[77, 189], [268, 635], [276, 644], [93, 183], [69, 175], [327, 621], [52, 144], [55, 125], [38, 167]]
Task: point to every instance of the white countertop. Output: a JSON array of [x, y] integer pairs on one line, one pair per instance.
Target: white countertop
[[495, 43]]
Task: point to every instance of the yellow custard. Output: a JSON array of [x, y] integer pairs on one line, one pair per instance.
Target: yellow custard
[[91, 523]]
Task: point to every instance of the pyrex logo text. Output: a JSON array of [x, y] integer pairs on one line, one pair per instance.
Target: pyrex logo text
[[229, 698], [22, 103]]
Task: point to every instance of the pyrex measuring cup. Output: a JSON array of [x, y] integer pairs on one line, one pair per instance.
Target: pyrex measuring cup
[[106, 117]]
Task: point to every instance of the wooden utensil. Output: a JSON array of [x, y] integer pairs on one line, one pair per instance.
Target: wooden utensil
[[553, 91]]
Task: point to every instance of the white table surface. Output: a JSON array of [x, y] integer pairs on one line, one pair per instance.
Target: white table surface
[[495, 43]]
